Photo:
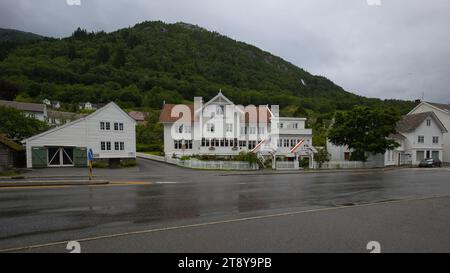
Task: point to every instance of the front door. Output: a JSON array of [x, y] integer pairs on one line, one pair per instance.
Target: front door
[[60, 156]]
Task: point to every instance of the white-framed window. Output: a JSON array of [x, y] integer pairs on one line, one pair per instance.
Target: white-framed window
[[261, 130], [280, 142], [108, 146], [178, 144], [229, 127], [103, 145], [107, 126], [295, 125], [435, 140], [210, 127], [281, 125], [116, 146], [420, 139], [428, 122], [252, 130], [121, 126], [286, 142], [187, 129], [116, 126], [102, 125], [122, 146]]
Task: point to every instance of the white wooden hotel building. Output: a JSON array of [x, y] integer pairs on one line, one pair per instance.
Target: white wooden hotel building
[[221, 128]]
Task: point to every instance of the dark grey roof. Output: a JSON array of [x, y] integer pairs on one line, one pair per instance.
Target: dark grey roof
[[411, 122], [63, 115], [397, 136], [445, 107], [24, 106]]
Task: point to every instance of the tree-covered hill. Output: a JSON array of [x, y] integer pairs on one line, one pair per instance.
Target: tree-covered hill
[[12, 35], [152, 62]]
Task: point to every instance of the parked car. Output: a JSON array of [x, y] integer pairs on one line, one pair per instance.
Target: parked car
[[430, 163]]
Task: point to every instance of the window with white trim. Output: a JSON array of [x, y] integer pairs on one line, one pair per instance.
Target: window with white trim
[[229, 127], [121, 126], [122, 146], [102, 125], [210, 127], [421, 139], [103, 146], [107, 126], [116, 146], [116, 126], [435, 140], [108, 146]]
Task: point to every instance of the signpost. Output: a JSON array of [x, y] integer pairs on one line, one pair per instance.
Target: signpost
[[90, 158]]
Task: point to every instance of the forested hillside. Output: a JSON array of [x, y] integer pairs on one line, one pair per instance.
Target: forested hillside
[[152, 62]]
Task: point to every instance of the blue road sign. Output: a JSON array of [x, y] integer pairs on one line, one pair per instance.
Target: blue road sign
[[90, 155]]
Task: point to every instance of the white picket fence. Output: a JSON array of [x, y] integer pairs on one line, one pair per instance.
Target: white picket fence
[[287, 165], [348, 165], [199, 164]]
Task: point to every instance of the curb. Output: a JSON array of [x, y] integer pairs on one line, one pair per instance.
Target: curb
[[315, 172], [53, 183]]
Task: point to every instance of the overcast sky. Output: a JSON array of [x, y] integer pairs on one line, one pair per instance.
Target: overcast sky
[[396, 50]]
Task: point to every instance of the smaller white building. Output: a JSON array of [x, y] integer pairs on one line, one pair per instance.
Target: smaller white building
[[33, 110], [420, 136], [442, 111], [109, 132]]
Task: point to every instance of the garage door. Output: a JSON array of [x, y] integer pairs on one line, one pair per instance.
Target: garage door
[[80, 157], [39, 157]]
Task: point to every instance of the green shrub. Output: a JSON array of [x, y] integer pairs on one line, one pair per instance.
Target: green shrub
[[150, 147], [100, 164], [126, 163], [185, 157]]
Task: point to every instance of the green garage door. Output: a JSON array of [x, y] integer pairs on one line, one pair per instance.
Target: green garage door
[[80, 157], [39, 157]]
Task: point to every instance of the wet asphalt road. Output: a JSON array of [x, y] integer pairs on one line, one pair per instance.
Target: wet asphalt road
[[155, 195]]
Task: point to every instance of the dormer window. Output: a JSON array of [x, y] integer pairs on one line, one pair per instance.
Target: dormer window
[[428, 122], [295, 125]]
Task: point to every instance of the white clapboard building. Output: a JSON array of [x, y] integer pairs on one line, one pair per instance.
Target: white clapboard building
[[221, 128], [109, 132], [419, 135], [442, 111]]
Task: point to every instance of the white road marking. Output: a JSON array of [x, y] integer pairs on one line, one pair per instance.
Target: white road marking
[[216, 223], [165, 182]]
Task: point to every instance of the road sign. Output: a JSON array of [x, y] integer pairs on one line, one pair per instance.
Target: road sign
[[90, 155]]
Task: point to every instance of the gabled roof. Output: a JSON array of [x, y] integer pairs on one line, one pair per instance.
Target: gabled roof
[[445, 107], [137, 115], [10, 143], [219, 96], [438, 106], [410, 122], [24, 106], [166, 113], [81, 119], [64, 115]]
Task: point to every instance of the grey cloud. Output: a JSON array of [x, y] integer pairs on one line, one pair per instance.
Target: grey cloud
[[397, 50]]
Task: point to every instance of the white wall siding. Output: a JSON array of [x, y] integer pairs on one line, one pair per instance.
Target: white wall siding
[[86, 133], [445, 119]]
